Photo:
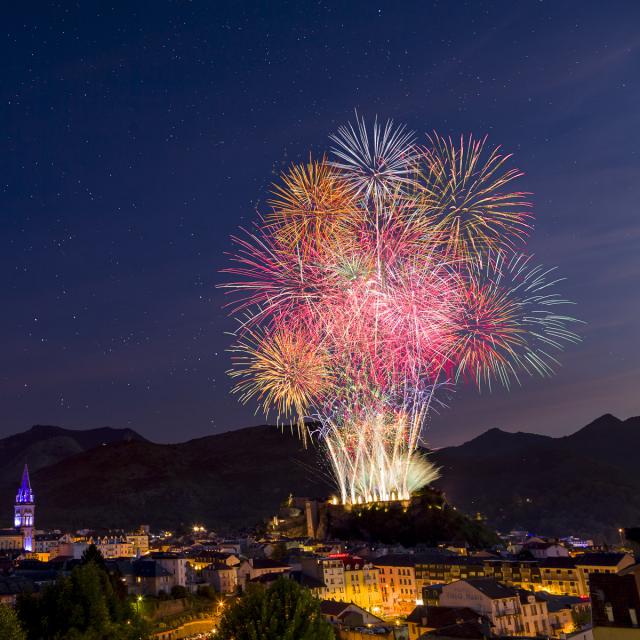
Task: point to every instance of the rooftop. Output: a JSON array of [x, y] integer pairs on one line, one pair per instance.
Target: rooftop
[[441, 616], [25, 495], [333, 607], [148, 569], [557, 603], [613, 598], [266, 563], [491, 588], [599, 559], [558, 563], [267, 578], [307, 581], [469, 630], [396, 560], [524, 596]]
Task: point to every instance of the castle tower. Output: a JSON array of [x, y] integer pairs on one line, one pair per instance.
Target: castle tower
[[25, 511]]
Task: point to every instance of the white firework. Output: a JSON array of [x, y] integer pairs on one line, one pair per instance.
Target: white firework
[[377, 165]]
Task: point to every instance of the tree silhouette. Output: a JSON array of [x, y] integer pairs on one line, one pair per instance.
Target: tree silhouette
[[92, 554], [284, 611], [82, 606], [10, 627]]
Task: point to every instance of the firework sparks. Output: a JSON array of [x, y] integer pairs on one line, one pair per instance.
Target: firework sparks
[[509, 325], [312, 203], [379, 278], [377, 165], [283, 369], [466, 197]]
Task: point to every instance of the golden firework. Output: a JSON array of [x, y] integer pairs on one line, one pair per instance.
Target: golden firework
[[312, 203], [285, 370], [465, 194]]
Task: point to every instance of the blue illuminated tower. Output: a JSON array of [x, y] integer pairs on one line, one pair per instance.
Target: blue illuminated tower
[[25, 511]]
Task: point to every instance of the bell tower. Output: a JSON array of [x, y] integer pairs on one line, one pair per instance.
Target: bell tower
[[25, 511]]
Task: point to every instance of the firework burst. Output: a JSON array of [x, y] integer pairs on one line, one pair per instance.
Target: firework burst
[[312, 205], [509, 323], [377, 164], [465, 193], [380, 277]]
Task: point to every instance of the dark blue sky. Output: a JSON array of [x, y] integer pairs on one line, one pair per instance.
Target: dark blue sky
[[135, 139]]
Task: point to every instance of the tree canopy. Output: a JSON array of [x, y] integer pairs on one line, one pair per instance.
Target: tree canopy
[[10, 627], [284, 611], [89, 604]]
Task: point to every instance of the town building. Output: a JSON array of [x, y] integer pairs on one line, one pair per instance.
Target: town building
[[541, 550], [202, 558], [147, 577], [466, 630], [138, 542], [253, 568], [566, 613], [361, 580], [175, 564], [570, 576], [535, 613], [113, 546], [69, 546], [11, 540], [330, 571], [521, 574], [441, 569], [347, 614], [222, 577], [594, 563], [497, 602], [46, 543], [560, 576], [12, 586], [317, 587], [398, 584], [615, 603], [426, 618]]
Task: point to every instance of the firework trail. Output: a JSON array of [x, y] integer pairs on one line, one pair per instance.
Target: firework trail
[[381, 276]]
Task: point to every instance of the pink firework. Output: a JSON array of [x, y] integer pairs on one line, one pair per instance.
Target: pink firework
[[380, 277]]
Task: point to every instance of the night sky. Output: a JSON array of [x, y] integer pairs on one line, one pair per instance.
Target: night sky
[[136, 138]]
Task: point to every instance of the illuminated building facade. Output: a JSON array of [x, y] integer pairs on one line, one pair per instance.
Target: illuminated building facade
[[330, 570], [570, 576], [438, 569], [398, 583], [499, 603], [24, 514], [361, 580]]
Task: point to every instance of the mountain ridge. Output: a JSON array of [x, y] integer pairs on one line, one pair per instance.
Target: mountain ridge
[[43, 445], [586, 483], [583, 483]]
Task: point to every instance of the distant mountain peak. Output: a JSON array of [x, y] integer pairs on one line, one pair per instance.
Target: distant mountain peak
[[489, 434], [605, 417], [495, 434], [44, 429], [42, 445], [599, 425]]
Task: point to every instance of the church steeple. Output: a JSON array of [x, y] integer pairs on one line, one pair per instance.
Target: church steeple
[[24, 515], [25, 495]]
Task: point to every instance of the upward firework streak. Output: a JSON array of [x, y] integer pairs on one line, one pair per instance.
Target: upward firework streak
[[380, 276]]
